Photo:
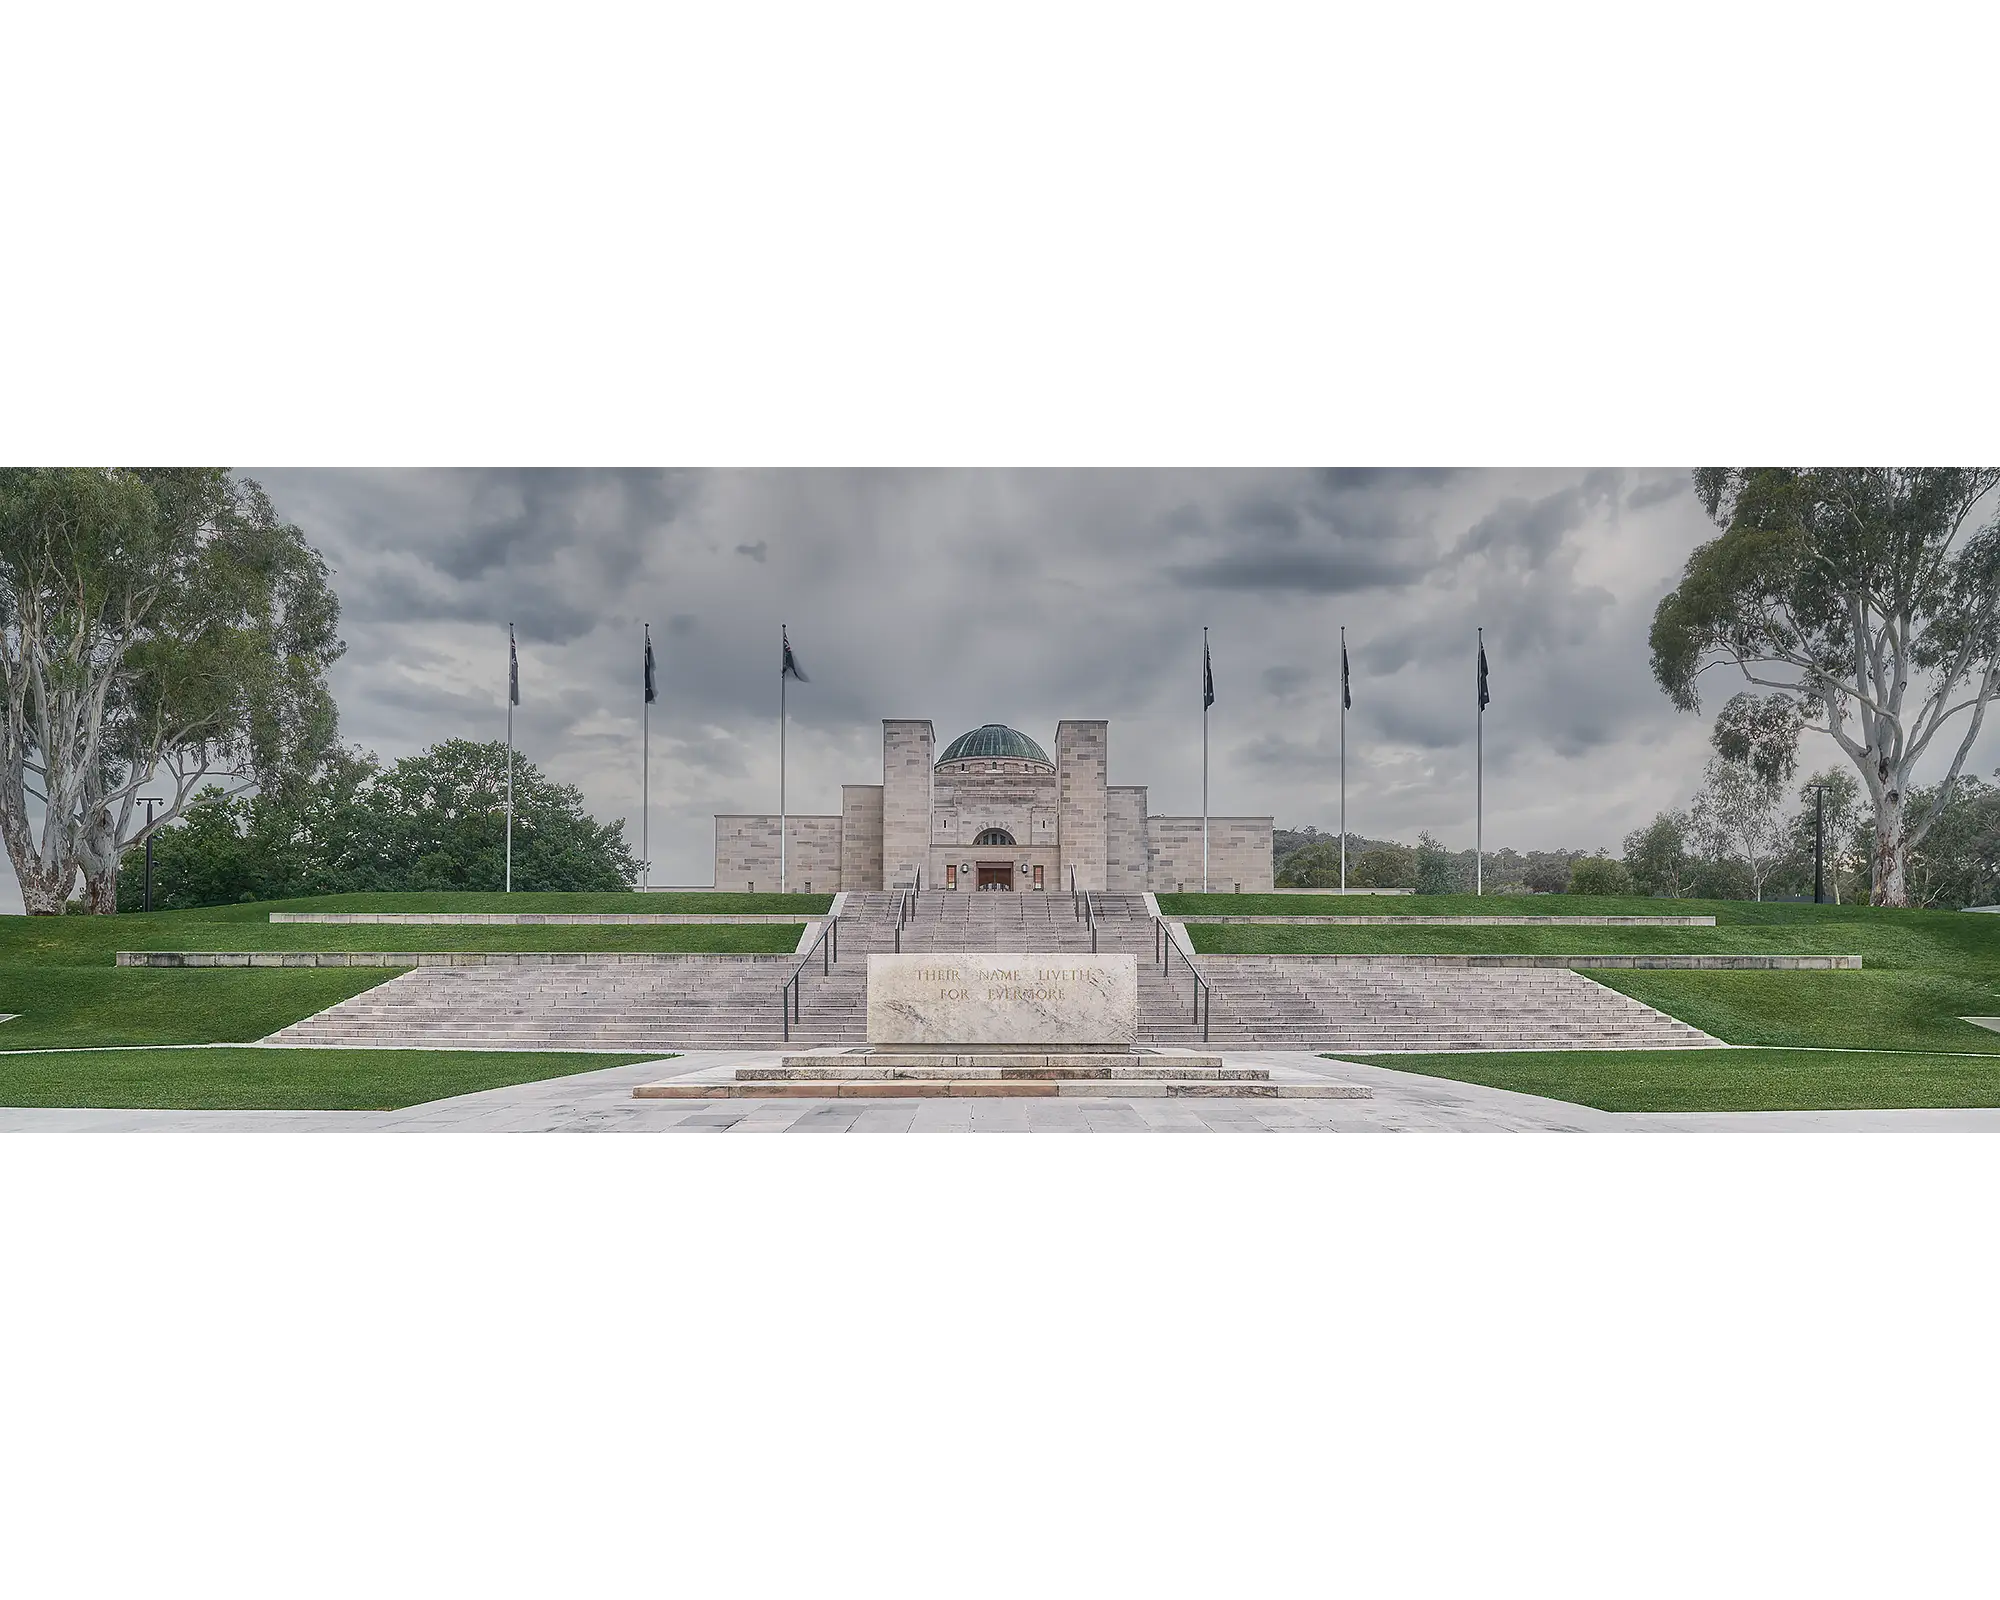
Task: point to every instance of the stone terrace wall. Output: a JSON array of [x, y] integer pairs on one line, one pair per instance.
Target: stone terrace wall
[[861, 836], [746, 853], [1126, 862], [1239, 852]]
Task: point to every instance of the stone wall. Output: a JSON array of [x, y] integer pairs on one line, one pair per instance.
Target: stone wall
[[746, 853], [909, 747], [1239, 852], [861, 836], [1125, 862], [1082, 767], [967, 804]]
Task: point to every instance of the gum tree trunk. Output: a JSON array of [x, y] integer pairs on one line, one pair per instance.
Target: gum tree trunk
[[1891, 878]]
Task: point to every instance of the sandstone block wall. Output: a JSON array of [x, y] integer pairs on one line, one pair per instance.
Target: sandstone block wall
[[1239, 852], [909, 749], [1082, 819], [746, 853], [861, 836], [1126, 860]]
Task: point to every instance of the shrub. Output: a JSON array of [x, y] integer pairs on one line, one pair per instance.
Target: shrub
[[1599, 875]]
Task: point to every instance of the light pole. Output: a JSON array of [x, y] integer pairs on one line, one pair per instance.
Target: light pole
[[149, 801]]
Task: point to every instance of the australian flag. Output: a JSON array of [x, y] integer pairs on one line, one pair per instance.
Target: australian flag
[[1346, 693], [1207, 675], [1483, 695], [790, 669], [652, 693], [513, 670]]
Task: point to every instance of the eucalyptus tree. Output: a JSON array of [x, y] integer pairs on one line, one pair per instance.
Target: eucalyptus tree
[[1865, 601], [157, 626]]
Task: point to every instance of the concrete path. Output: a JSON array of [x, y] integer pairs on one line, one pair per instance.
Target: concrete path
[[601, 1102]]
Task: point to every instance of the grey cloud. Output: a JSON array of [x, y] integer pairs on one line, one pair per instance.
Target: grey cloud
[[1298, 570], [756, 552], [1656, 492], [1284, 683]]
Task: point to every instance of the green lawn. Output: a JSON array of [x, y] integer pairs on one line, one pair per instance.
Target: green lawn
[[1721, 1080], [1922, 970], [276, 1080]]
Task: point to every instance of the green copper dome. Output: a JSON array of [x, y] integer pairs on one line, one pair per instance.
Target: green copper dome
[[994, 742]]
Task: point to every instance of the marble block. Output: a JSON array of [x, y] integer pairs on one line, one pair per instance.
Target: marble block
[[985, 997]]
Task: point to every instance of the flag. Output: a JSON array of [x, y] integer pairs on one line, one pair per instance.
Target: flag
[[1483, 695], [513, 670], [1207, 674], [652, 693], [1346, 694], [790, 669]]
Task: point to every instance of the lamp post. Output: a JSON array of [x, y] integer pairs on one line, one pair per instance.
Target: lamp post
[[149, 801]]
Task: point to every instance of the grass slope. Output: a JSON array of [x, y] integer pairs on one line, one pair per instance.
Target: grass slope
[[1922, 970], [276, 1080], [1722, 1080]]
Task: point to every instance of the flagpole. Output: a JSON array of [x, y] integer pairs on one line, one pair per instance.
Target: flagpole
[[510, 759], [1480, 698], [1204, 760], [646, 776], [782, 675], [1343, 759]]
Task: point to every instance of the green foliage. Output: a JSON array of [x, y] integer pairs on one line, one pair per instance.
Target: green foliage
[[1389, 866], [1313, 866], [1760, 732], [1599, 875], [1437, 870], [1546, 874], [432, 822], [1656, 856], [442, 816]]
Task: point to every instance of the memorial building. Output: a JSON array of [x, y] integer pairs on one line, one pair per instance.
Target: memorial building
[[993, 812]]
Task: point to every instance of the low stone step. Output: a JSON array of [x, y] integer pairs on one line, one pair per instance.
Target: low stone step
[[1002, 1088]]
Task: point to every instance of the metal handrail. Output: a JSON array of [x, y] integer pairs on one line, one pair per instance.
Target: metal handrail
[[1090, 919], [827, 948], [1204, 998]]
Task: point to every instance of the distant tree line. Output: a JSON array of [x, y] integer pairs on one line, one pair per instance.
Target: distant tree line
[[428, 822], [1741, 837]]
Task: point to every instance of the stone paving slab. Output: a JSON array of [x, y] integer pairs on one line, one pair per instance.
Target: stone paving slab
[[602, 1102]]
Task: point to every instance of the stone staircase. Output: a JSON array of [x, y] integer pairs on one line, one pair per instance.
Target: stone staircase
[[695, 1003], [1355, 1007], [732, 1002]]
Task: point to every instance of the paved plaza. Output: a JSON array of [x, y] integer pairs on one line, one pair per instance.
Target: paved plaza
[[602, 1102]]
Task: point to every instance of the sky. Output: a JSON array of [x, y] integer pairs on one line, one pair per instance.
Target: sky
[[1025, 597]]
